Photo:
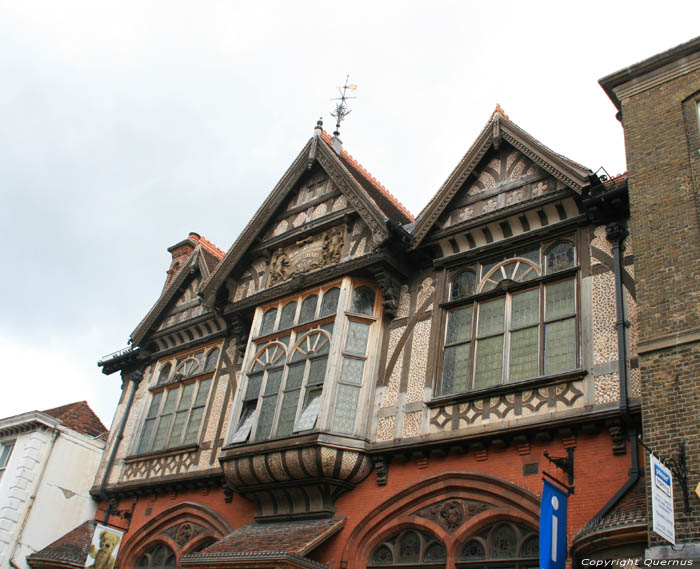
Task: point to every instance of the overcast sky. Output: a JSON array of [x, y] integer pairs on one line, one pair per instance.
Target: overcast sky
[[126, 125]]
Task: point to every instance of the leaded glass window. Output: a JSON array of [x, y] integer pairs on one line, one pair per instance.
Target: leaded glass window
[[502, 541], [528, 329], [176, 411], [159, 556], [289, 383], [410, 547]]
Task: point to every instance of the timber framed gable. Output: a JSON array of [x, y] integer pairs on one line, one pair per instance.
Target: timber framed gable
[[507, 144], [316, 217]]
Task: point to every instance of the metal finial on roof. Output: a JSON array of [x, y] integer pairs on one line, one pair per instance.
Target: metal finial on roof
[[318, 129], [341, 108]]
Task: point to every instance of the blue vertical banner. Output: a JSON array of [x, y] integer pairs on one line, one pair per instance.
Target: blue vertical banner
[[553, 527]]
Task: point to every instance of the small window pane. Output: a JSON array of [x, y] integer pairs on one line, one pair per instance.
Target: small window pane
[[162, 432], [560, 299], [526, 309], [560, 346], [244, 425], [267, 415], [459, 325], [464, 284], [560, 257], [272, 386], [491, 317], [330, 302], [524, 354], [148, 426], [435, 553], [473, 550], [5, 452], [164, 374], [382, 556], [317, 371], [186, 398], [268, 321], [212, 357], [530, 547], [409, 547], [308, 416], [155, 404], [288, 313], [178, 427], [346, 409], [193, 426], [351, 371], [308, 308], [202, 393], [489, 362], [356, 343], [295, 375], [455, 369], [288, 412], [253, 389], [170, 401], [362, 300], [503, 542]]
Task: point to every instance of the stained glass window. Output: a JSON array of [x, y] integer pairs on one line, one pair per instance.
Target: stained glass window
[[412, 548], [463, 284], [159, 556], [501, 541], [164, 374], [528, 330]]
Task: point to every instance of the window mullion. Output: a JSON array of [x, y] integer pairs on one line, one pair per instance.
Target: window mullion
[[505, 375], [476, 314]]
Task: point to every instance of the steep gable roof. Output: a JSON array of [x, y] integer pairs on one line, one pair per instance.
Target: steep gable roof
[[498, 128], [368, 197], [79, 417], [205, 257], [69, 550]]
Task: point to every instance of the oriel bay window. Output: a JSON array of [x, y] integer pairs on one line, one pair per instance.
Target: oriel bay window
[[179, 399], [511, 320], [309, 354]]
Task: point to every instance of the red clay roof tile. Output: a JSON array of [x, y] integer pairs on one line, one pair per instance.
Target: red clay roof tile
[[79, 417]]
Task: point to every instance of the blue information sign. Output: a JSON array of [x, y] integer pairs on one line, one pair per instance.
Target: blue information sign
[[553, 527]]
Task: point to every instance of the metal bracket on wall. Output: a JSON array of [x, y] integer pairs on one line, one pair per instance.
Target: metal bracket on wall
[[678, 467], [565, 464]]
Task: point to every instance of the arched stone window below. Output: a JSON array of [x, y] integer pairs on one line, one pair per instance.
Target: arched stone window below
[[499, 542], [160, 556], [409, 548]]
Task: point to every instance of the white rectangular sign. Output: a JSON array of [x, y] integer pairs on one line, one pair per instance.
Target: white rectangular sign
[[104, 547], [662, 500]]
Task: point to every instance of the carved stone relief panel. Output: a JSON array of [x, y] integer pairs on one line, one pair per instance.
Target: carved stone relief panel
[[451, 514], [306, 255], [184, 533]]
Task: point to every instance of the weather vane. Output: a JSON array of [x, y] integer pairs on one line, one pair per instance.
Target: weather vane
[[341, 108]]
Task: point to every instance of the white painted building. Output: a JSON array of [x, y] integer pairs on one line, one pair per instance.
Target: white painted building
[[48, 462]]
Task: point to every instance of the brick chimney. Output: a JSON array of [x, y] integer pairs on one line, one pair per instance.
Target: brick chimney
[[180, 253]]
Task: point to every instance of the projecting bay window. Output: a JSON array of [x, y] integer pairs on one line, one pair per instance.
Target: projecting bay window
[[179, 399], [517, 322], [309, 355]]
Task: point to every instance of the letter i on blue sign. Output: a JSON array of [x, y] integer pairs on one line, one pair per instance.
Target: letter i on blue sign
[[553, 527]]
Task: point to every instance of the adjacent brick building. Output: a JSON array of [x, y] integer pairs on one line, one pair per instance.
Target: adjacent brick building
[[659, 103]]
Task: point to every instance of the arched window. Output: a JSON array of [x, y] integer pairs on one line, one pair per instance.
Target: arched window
[[212, 358], [409, 548], [268, 322], [362, 300], [515, 543], [160, 556], [329, 304], [463, 284], [164, 374], [560, 257]]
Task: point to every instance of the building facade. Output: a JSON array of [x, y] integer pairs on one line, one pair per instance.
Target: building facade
[[659, 104], [41, 491], [349, 386]]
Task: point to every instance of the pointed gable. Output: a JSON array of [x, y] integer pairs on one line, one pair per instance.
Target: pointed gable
[[325, 208], [180, 299], [505, 166]]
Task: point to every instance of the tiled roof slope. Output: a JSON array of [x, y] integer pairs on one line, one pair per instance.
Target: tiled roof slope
[[299, 537], [70, 550], [79, 417], [631, 510], [386, 201]]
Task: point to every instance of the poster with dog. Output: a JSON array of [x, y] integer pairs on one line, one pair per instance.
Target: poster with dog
[[104, 548]]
